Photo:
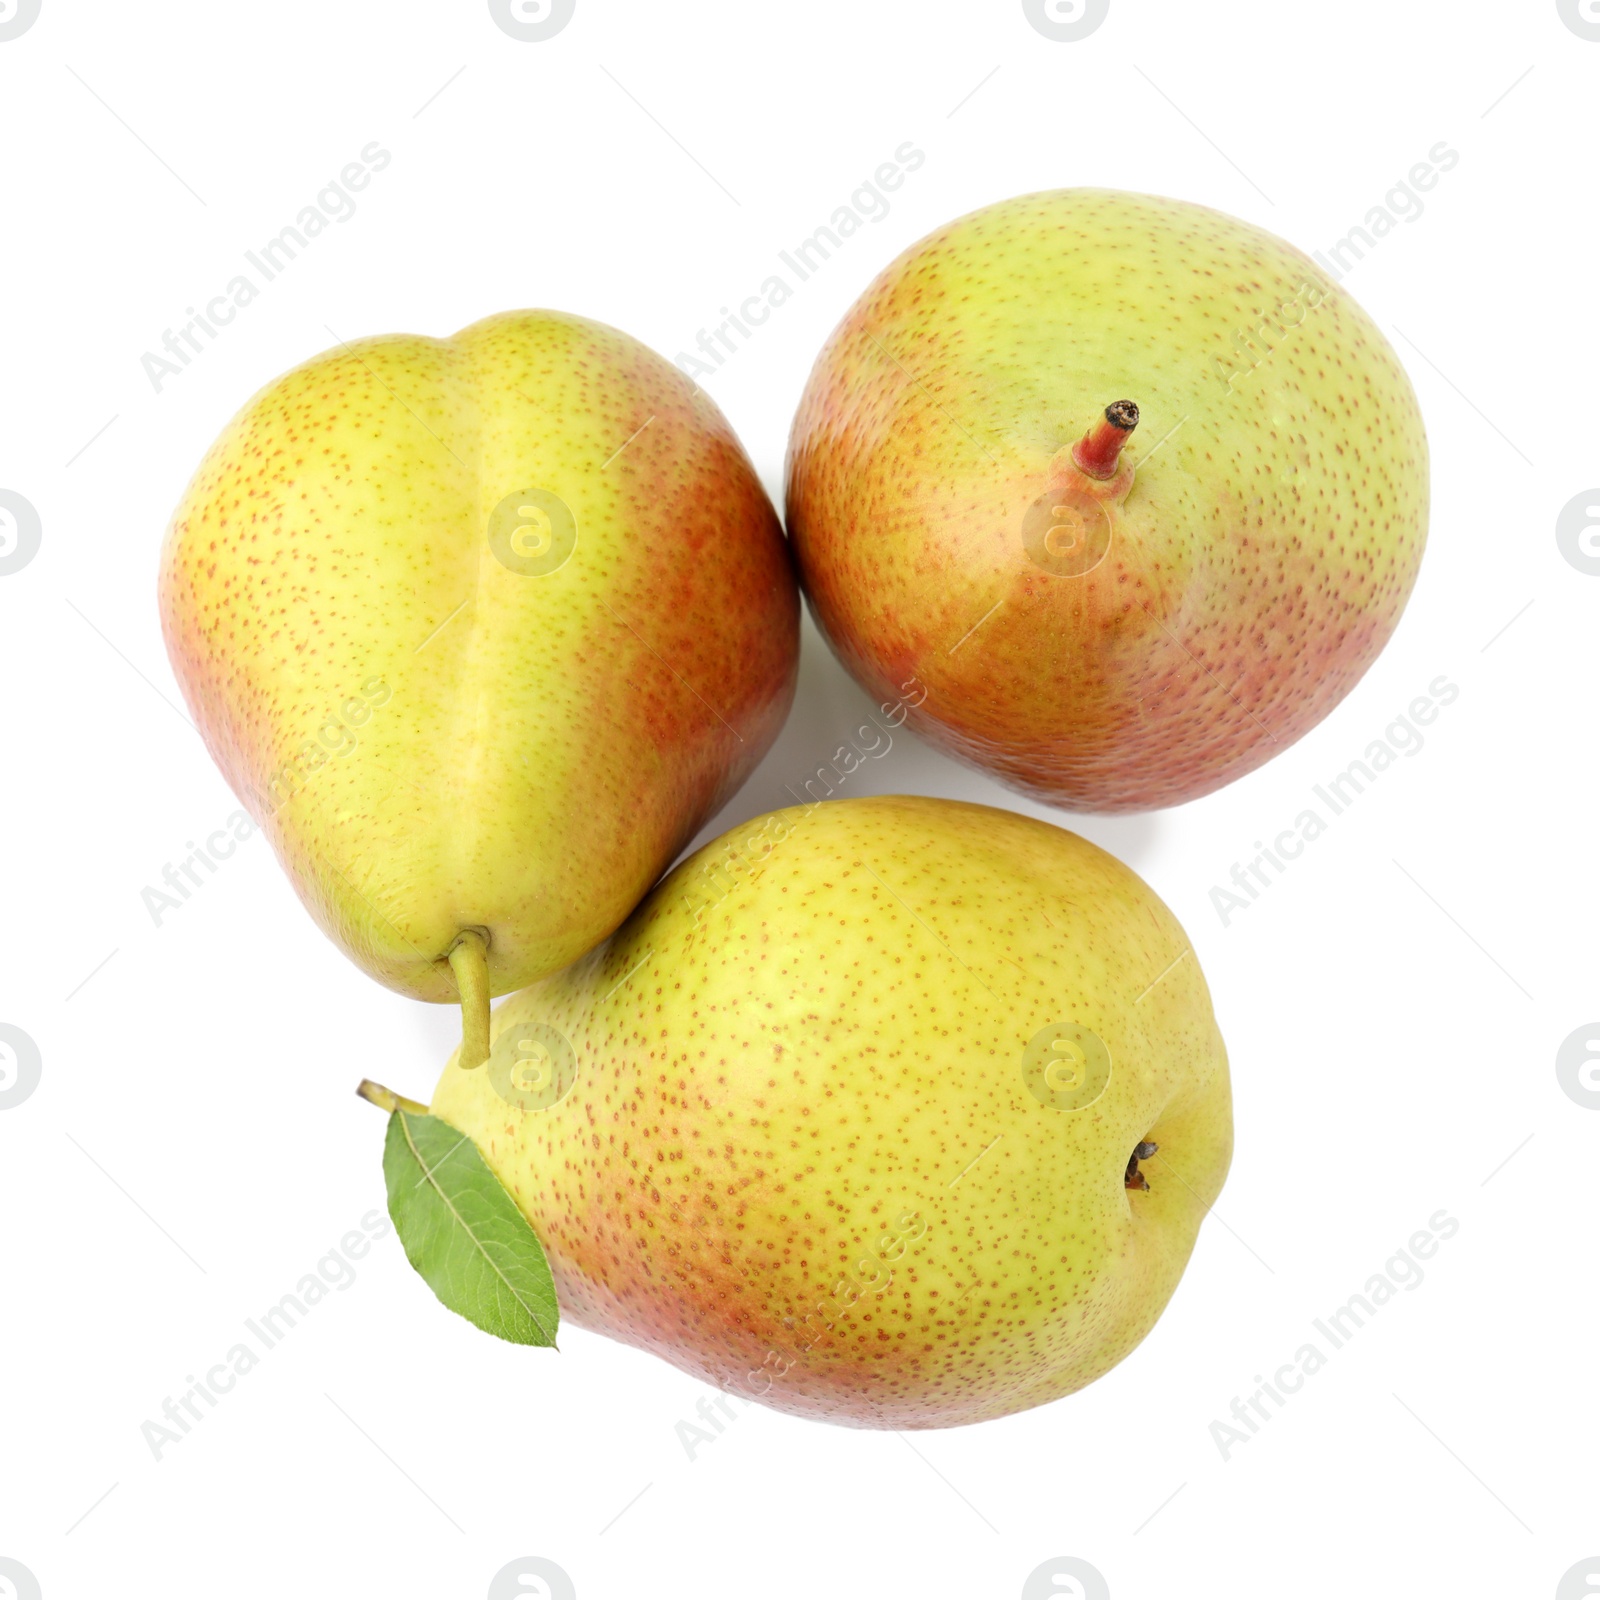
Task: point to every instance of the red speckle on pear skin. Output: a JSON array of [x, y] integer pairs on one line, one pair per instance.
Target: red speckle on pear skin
[[1257, 567]]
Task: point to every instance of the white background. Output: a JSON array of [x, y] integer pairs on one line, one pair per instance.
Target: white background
[[1393, 1005]]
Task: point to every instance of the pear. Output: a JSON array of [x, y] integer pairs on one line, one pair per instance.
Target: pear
[[481, 630], [1108, 620], [894, 1112]]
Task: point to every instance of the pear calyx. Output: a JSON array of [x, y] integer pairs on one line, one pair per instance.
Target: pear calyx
[[1133, 1178]]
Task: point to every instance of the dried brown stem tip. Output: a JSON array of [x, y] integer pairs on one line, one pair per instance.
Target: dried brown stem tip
[[1097, 451]]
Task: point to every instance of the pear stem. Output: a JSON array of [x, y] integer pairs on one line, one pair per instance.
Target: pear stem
[[387, 1099], [469, 960], [1097, 451]]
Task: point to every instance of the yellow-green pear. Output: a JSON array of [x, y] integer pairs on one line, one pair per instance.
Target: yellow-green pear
[[895, 1112], [481, 630], [1108, 619]]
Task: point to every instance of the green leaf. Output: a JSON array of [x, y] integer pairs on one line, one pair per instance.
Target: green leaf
[[464, 1233]]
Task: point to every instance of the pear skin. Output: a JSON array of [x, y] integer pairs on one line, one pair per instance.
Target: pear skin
[[852, 1116], [480, 630], [1108, 635]]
